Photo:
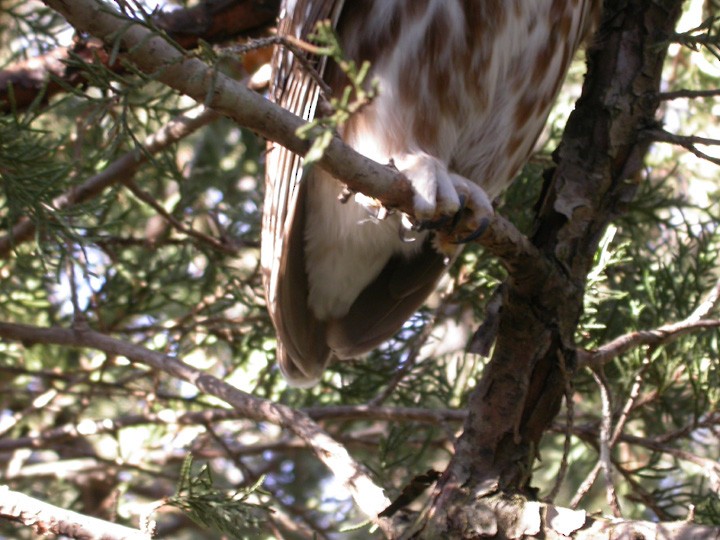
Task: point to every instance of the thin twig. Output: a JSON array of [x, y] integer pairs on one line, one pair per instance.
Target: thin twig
[[690, 94], [605, 460], [562, 472], [660, 336], [119, 170], [145, 197], [688, 142]]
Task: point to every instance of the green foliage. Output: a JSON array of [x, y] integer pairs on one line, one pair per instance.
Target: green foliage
[[229, 513], [167, 258], [357, 94]]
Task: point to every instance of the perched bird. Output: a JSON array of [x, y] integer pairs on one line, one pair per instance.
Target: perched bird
[[464, 89]]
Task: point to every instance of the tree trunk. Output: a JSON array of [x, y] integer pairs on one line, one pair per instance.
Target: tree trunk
[[483, 491]]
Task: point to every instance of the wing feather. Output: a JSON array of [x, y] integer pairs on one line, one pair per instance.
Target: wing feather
[[300, 334]]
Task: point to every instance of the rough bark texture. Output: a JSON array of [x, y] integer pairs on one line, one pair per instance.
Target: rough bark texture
[[522, 387]]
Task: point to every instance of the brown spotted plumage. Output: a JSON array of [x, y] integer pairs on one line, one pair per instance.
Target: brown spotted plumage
[[465, 89]]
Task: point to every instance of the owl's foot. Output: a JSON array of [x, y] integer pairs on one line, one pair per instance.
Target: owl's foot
[[445, 201]]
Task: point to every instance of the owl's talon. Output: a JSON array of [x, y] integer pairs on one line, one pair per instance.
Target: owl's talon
[[477, 233], [436, 224]]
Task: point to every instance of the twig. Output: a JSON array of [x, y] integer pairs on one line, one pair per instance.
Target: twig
[[665, 334], [562, 472], [145, 197], [688, 142], [605, 460], [660, 336], [617, 433], [691, 94], [709, 467]]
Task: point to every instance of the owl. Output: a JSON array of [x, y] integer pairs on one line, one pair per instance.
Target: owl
[[464, 88]]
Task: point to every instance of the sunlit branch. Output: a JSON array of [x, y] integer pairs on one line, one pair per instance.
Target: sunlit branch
[[46, 518], [188, 74]]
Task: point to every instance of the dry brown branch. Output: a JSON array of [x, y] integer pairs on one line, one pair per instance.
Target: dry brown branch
[[688, 142], [660, 336], [690, 94]]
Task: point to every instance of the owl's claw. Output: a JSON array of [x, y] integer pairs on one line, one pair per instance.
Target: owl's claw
[[436, 224], [477, 233], [457, 217]]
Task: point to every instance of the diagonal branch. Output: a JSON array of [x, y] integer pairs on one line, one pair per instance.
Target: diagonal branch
[[118, 171], [211, 21], [46, 518], [368, 496], [698, 320], [688, 142], [152, 54]]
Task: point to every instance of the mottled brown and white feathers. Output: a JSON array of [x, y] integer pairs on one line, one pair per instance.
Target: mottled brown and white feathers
[[465, 87]]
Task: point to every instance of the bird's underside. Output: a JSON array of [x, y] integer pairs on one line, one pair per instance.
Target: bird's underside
[[465, 87]]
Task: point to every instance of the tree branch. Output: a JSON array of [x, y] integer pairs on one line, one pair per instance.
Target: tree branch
[[688, 142], [659, 336], [212, 21], [45, 518], [368, 496], [118, 171], [152, 54]]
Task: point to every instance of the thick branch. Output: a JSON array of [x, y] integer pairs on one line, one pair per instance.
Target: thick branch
[[522, 386]]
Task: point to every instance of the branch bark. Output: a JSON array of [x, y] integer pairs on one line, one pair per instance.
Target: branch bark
[[521, 388]]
